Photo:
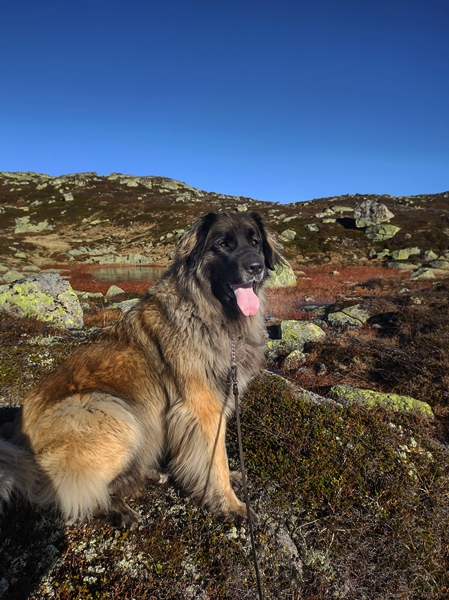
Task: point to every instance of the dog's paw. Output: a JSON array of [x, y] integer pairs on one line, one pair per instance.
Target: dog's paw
[[158, 477], [120, 515], [254, 517], [163, 478], [240, 514], [128, 519]]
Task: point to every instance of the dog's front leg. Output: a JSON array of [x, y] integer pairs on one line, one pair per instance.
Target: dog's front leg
[[196, 442]]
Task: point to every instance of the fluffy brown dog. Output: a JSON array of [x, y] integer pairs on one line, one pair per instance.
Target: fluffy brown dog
[[153, 388]]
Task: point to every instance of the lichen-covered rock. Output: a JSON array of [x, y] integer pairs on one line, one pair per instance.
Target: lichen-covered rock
[[30, 269], [423, 273], [429, 255], [339, 209], [294, 335], [137, 259], [347, 395], [288, 235], [125, 305], [440, 264], [114, 290], [89, 295], [282, 276], [295, 357], [371, 213], [353, 316], [11, 275], [23, 225], [402, 266], [46, 296], [379, 233], [404, 253]]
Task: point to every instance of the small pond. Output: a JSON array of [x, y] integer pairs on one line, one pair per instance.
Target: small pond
[[113, 274]]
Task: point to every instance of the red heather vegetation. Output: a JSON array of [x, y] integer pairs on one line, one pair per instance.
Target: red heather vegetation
[[319, 285], [325, 284]]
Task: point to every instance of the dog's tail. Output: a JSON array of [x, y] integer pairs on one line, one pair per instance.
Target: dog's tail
[[17, 471]]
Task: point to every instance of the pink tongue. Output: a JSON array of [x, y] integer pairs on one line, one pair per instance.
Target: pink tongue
[[246, 299]]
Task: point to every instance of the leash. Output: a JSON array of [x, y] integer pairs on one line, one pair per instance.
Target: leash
[[235, 391]]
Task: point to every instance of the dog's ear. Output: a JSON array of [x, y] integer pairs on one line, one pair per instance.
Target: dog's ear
[[270, 246], [191, 246]]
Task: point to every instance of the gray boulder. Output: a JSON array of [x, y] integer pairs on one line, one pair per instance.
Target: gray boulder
[[288, 235], [423, 273], [125, 305], [352, 316], [45, 296], [282, 276], [11, 275], [381, 232], [294, 335], [402, 266], [371, 213], [439, 264], [114, 290], [429, 255], [404, 253]]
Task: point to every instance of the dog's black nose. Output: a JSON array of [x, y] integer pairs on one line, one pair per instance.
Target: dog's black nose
[[254, 266]]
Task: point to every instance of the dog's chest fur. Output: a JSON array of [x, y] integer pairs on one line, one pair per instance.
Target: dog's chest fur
[[195, 340]]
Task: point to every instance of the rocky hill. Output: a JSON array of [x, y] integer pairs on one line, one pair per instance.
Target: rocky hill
[[124, 219]]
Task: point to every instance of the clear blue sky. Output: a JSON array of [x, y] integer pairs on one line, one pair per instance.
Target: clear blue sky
[[277, 100]]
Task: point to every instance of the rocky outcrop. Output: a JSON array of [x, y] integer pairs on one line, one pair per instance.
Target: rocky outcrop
[[371, 213], [45, 296], [373, 217], [352, 316], [23, 225], [347, 395]]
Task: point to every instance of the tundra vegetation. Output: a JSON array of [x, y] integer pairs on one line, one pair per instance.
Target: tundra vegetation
[[353, 499]]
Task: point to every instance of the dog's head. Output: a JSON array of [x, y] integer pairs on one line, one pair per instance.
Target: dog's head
[[230, 253]]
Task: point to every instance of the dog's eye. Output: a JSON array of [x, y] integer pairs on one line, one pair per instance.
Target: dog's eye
[[255, 242], [223, 244]]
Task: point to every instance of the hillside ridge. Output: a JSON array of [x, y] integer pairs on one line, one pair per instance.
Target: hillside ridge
[[83, 217]]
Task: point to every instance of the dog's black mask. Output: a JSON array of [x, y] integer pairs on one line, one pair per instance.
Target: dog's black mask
[[233, 252]]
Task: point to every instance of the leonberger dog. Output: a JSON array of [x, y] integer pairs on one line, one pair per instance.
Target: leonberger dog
[[154, 389]]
